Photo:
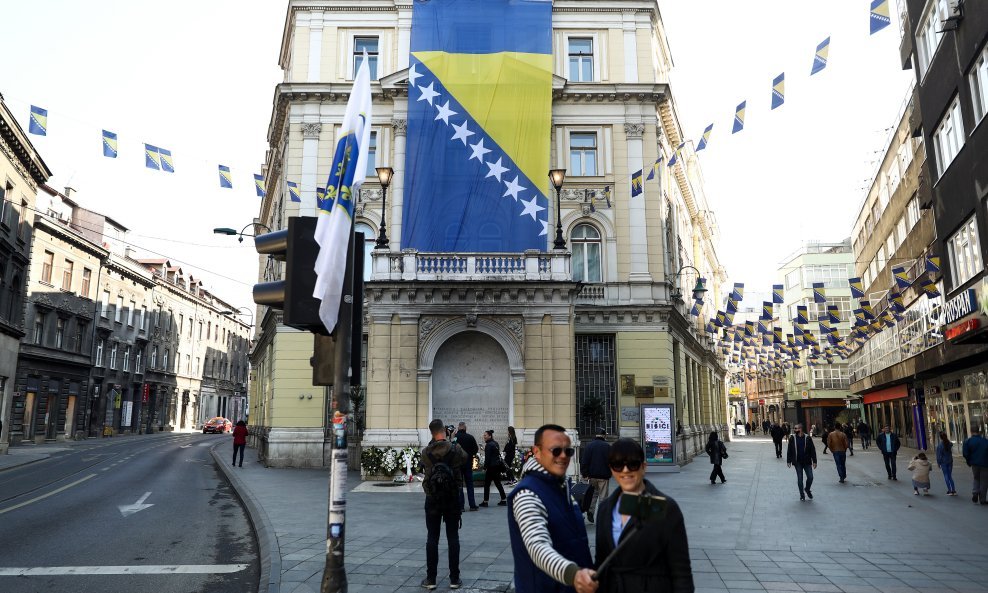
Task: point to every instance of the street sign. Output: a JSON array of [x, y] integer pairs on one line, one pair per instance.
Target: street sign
[[146, 393]]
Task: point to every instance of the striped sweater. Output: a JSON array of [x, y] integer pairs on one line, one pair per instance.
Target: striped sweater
[[533, 518]]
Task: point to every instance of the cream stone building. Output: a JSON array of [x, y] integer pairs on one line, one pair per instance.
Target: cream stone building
[[579, 336]]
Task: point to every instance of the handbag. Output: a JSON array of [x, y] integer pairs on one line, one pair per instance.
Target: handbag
[[583, 495]]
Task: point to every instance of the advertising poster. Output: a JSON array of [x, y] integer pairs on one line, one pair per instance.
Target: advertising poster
[[658, 434]]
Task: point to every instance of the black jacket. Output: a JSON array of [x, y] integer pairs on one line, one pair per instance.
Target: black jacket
[[437, 451], [809, 452], [466, 440], [880, 441], [717, 452], [492, 455], [776, 432], [657, 561], [593, 459]]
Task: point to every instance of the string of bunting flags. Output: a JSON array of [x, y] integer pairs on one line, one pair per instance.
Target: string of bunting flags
[[761, 349]]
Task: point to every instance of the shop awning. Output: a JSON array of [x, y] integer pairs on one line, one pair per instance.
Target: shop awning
[[887, 394]]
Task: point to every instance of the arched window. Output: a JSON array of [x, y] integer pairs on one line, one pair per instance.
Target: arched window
[[586, 253], [369, 241]]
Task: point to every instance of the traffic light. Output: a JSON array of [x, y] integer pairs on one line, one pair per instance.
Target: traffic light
[[297, 247]]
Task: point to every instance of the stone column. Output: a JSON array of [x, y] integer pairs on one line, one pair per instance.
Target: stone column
[[630, 47], [315, 47], [638, 239], [399, 127], [310, 167]]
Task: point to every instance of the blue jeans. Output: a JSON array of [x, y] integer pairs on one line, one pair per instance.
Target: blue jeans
[[468, 484], [800, 469], [948, 476], [840, 458]]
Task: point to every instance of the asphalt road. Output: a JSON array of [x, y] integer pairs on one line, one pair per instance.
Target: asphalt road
[[127, 515]]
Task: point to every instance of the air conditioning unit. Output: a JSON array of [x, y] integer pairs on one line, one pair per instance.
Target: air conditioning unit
[[955, 9]]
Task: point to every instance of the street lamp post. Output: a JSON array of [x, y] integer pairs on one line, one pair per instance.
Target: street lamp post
[[557, 176], [384, 176], [698, 291], [240, 236]]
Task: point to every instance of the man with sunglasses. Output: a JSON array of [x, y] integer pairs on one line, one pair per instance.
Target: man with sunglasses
[[802, 454], [548, 537]]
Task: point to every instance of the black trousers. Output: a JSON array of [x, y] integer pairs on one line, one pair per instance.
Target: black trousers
[[433, 523], [493, 474], [889, 463], [717, 471], [240, 449], [507, 465], [778, 448]]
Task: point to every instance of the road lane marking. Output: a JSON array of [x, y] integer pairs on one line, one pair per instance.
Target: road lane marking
[[139, 569], [129, 509], [44, 496]]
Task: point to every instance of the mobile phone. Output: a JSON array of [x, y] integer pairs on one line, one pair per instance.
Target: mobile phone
[[644, 506]]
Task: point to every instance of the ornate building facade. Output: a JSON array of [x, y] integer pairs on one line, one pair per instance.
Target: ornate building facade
[[580, 336]]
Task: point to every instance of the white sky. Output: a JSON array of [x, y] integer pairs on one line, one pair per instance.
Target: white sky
[[198, 78]]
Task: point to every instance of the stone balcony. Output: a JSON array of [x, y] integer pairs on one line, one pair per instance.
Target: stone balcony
[[412, 265]]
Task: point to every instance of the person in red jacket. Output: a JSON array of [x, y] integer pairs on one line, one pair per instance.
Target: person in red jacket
[[239, 441]]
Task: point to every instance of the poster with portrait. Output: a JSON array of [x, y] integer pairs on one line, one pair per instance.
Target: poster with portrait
[[658, 434]]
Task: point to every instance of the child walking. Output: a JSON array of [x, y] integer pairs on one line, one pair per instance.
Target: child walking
[[920, 467]]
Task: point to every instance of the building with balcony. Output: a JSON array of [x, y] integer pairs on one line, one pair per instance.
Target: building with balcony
[[816, 390], [22, 171], [580, 335], [944, 42]]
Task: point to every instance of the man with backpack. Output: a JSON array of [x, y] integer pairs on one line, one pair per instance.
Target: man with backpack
[[469, 444], [443, 463]]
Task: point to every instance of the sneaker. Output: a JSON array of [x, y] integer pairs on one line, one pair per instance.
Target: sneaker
[[455, 583], [503, 503], [895, 479], [801, 497], [428, 583], [483, 504], [808, 493], [974, 497], [916, 492]]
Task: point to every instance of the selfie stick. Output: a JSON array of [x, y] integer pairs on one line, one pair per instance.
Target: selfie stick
[[621, 545]]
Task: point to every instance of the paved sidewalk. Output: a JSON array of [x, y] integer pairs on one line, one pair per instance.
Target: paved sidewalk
[[752, 534]]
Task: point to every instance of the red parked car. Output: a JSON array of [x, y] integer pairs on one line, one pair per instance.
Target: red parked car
[[217, 424]]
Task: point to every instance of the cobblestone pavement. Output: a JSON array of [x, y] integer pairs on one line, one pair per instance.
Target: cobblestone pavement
[[750, 534]]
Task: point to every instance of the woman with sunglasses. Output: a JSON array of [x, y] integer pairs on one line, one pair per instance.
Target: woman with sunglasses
[[658, 561]]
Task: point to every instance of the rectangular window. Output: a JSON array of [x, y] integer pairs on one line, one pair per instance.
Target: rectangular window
[[198, 360], [881, 257], [581, 59], [130, 314], [200, 330], [370, 45], [188, 364], [948, 138], [832, 275], [87, 276], [59, 332], [912, 210], [901, 230], [792, 279], [137, 362], [965, 253], [105, 305], [979, 85], [372, 156], [67, 275], [99, 352], [39, 328], [164, 361], [118, 314], [154, 356], [583, 154], [890, 244], [144, 317], [113, 356], [126, 359], [80, 335], [46, 266], [929, 33]]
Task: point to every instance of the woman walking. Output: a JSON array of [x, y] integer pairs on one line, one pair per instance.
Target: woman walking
[[718, 453], [945, 461], [509, 455], [239, 441]]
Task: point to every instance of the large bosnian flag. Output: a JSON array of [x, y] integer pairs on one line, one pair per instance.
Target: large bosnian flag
[[335, 220], [479, 112]]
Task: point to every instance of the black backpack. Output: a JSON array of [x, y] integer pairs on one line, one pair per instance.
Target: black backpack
[[444, 489]]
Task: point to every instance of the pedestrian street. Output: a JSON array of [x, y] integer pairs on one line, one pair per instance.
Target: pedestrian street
[[750, 534]]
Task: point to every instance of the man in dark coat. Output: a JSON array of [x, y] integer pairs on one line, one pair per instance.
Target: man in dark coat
[[777, 433], [802, 454], [849, 433], [765, 426], [864, 431], [593, 466], [440, 450], [888, 444], [469, 444], [493, 466]]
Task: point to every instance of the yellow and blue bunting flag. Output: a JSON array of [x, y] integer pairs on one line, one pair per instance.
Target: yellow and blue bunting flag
[[636, 183], [38, 123], [737, 294], [777, 294], [293, 193], [656, 166], [739, 117], [857, 287], [879, 15], [479, 120], [819, 293], [705, 138], [152, 160], [901, 276], [779, 90], [675, 155], [766, 310], [167, 165], [697, 307], [226, 180], [930, 288], [109, 144], [932, 265], [821, 56], [833, 313], [259, 185], [801, 314]]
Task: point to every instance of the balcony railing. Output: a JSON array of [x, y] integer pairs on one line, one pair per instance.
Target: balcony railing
[[414, 265]]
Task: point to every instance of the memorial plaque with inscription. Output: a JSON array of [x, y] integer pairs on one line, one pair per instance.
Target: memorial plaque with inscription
[[471, 383], [627, 384]]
